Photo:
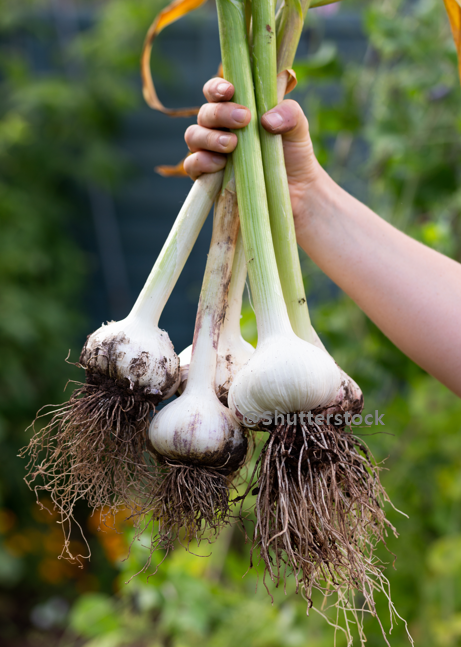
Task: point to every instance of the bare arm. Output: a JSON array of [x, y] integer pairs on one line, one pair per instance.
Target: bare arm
[[411, 292]]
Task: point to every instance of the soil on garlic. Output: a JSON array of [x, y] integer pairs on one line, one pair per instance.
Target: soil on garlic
[[319, 513]]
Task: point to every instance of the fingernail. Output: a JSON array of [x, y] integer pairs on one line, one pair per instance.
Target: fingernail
[[224, 140], [239, 115], [273, 119], [217, 159], [222, 88]]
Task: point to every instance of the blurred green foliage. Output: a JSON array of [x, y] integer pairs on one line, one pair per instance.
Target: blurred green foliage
[[62, 101], [393, 137]]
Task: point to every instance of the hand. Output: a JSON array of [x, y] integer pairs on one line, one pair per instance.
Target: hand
[[209, 144]]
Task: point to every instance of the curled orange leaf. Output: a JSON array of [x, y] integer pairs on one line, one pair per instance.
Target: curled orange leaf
[[172, 171], [453, 8], [170, 14]]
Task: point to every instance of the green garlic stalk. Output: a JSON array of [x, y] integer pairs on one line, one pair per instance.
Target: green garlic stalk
[[285, 373]]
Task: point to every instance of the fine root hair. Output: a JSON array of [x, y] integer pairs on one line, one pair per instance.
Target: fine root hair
[[345, 609], [319, 514], [189, 504], [92, 448]]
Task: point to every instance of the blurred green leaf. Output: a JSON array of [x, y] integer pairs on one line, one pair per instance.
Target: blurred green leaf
[[95, 615]]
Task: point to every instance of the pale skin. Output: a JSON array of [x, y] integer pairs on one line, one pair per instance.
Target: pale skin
[[411, 292]]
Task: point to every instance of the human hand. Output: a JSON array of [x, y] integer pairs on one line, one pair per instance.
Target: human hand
[[209, 143]]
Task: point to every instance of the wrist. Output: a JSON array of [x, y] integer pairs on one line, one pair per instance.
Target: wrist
[[311, 199]]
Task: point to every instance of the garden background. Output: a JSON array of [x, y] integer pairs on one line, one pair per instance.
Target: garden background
[[82, 218]]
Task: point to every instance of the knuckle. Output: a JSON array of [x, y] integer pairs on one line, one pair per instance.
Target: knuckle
[[214, 86], [207, 86], [295, 113], [294, 105], [219, 112], [195, 164], [210, 140]]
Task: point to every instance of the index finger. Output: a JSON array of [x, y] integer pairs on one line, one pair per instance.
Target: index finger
[[218, 89]]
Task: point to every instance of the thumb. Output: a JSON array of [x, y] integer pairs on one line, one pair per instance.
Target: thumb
[[287, 119]]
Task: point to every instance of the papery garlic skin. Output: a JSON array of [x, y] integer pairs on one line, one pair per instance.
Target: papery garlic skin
[[349, 397], [199, 430], [285, 374], [233, 354], [134, 350]]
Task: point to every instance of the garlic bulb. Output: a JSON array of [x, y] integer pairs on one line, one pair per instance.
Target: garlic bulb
[[133, 350], [233, 351], [285, 375], [198, 429], [94, 445]]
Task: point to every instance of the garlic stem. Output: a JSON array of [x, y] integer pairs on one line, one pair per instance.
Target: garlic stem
[[290, 21], [271, 312], [213, 296], [289, 26], [231, 325], [171, 260], [285, 373], [233, 350], [267, 62]]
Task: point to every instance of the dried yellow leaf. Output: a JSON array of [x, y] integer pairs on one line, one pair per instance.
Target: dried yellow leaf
[[170, 14]]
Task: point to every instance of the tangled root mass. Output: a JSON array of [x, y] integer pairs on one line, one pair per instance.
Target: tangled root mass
[[189, 503], [319, 514], [93, 448]]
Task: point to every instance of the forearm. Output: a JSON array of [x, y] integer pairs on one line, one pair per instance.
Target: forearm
[[411, 292]]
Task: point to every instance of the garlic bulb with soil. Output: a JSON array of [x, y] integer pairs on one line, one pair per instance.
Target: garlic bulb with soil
[[94, 446], [197, 441], [233, 351]]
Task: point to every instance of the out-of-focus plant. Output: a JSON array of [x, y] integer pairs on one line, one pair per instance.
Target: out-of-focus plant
[[63, 95]]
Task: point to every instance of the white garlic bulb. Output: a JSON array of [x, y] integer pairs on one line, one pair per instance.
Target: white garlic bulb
[[135, 350], [196, 428], [285, 374]]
